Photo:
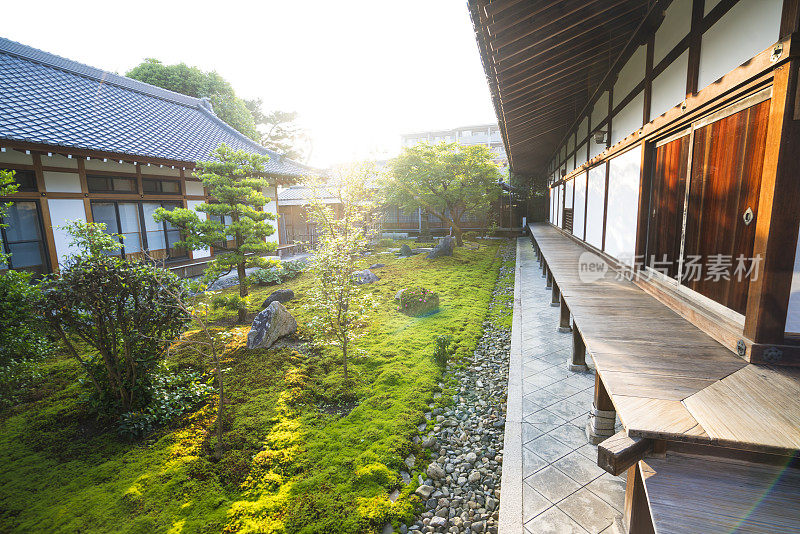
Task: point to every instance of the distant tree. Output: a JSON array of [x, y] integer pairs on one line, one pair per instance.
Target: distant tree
[[279, 131], [448, 180], [339, 304], [235, 183], [194, 82]]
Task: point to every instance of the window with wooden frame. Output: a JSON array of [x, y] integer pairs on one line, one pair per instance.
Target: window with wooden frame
[[141, 232], [26, 180], [703, 203], [161, 187], [23, 238], [110, 184]]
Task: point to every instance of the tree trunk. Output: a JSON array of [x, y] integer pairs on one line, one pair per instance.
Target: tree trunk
[[344, 357], [457, 234], [220, 406], [240, 270]]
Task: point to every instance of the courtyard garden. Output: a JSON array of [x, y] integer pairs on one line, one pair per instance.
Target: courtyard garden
[[304, 449]]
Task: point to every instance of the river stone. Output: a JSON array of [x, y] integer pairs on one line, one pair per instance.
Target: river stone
[[279, 295], [444, 248], [365, 277], [435, 471], [424, 491], [405, 251], [271, 323]]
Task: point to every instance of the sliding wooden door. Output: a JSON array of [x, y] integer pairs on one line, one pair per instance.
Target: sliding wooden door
[[727, 159], [668, 192]]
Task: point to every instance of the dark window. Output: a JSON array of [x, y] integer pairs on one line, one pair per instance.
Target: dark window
[[165, 187], [134, 220], [25, 179], [23, 238], [110, 184]]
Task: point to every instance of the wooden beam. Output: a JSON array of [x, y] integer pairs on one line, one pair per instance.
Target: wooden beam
[[619, 452], [790, 18], [44, 206], [505, 23], [637, 512], [695, 40], [498, 6], [87, 206], [778, 216]]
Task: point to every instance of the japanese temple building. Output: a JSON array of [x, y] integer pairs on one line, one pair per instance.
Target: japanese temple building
[[90, 145], [665, 135]]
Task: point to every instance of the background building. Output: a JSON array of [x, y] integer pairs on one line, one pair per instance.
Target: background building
[[482, 134]]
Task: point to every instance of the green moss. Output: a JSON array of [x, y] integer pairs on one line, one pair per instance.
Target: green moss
[[305, 452]]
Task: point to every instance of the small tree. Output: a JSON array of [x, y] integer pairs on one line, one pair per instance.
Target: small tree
[[448, 180], [7, 187], [338, 303], [235, 184], [117, 308]]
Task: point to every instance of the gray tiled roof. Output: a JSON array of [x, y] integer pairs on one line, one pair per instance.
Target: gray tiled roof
[[48, 99], [300, 194]]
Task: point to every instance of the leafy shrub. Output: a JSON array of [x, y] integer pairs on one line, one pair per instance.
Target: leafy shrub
[[15, 377], [277, 275], [125, 314], [229, 302], [442, 349], [172, 395], [470, 236], [21, 333], [416, 301]]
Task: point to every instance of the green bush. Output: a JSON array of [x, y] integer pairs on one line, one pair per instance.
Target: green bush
[[172, 395], [442, 349], [21, 332], [277, 275], [470, 236], [416, 301], [116, 317]]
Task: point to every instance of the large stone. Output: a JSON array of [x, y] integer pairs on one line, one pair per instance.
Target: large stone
[[280, 295], [365, 277], [405, 251], [444, 248], [270, 324], [424, 491], [435, 471]]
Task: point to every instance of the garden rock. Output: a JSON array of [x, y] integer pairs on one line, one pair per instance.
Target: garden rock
[[405, 251], [270, 324], [377, 266], [365, 277], [424, 491], [435, 471], [444, 248], [280, 295]]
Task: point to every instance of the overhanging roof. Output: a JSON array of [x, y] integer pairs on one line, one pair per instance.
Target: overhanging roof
[[544, 62], [47, 99]]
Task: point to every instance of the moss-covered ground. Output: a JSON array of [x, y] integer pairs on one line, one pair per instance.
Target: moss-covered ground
[[305, 452]]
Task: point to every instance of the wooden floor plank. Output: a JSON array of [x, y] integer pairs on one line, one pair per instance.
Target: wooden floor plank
[[718, 496]]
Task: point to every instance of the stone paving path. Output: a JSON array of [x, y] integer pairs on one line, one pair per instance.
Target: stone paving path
[[562, 488]]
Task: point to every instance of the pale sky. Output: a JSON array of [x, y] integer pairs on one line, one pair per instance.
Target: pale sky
[[359, 72]]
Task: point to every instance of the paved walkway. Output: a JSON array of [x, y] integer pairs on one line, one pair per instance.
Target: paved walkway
[[551, 481]]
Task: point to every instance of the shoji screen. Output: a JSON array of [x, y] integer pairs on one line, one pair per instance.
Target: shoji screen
[[579, 215], [623, 204], [595, 208]]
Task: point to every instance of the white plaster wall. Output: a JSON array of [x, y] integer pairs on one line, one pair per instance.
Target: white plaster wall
[[552, 205], [14, 156], [569, 188], [272, 207], [709, 5], [675, 26], [595, 148], [631, 74], [583, 129], [748, 28], [600, 110], [203, 252], [62, 211], [669, 87], [155, 170], [628, 120], [57, 160], [62, 182], [571, 164], [595, 206], [570, 144], [793, 313], [110, 166], [623, 204], [194, 188], [579, 215]]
